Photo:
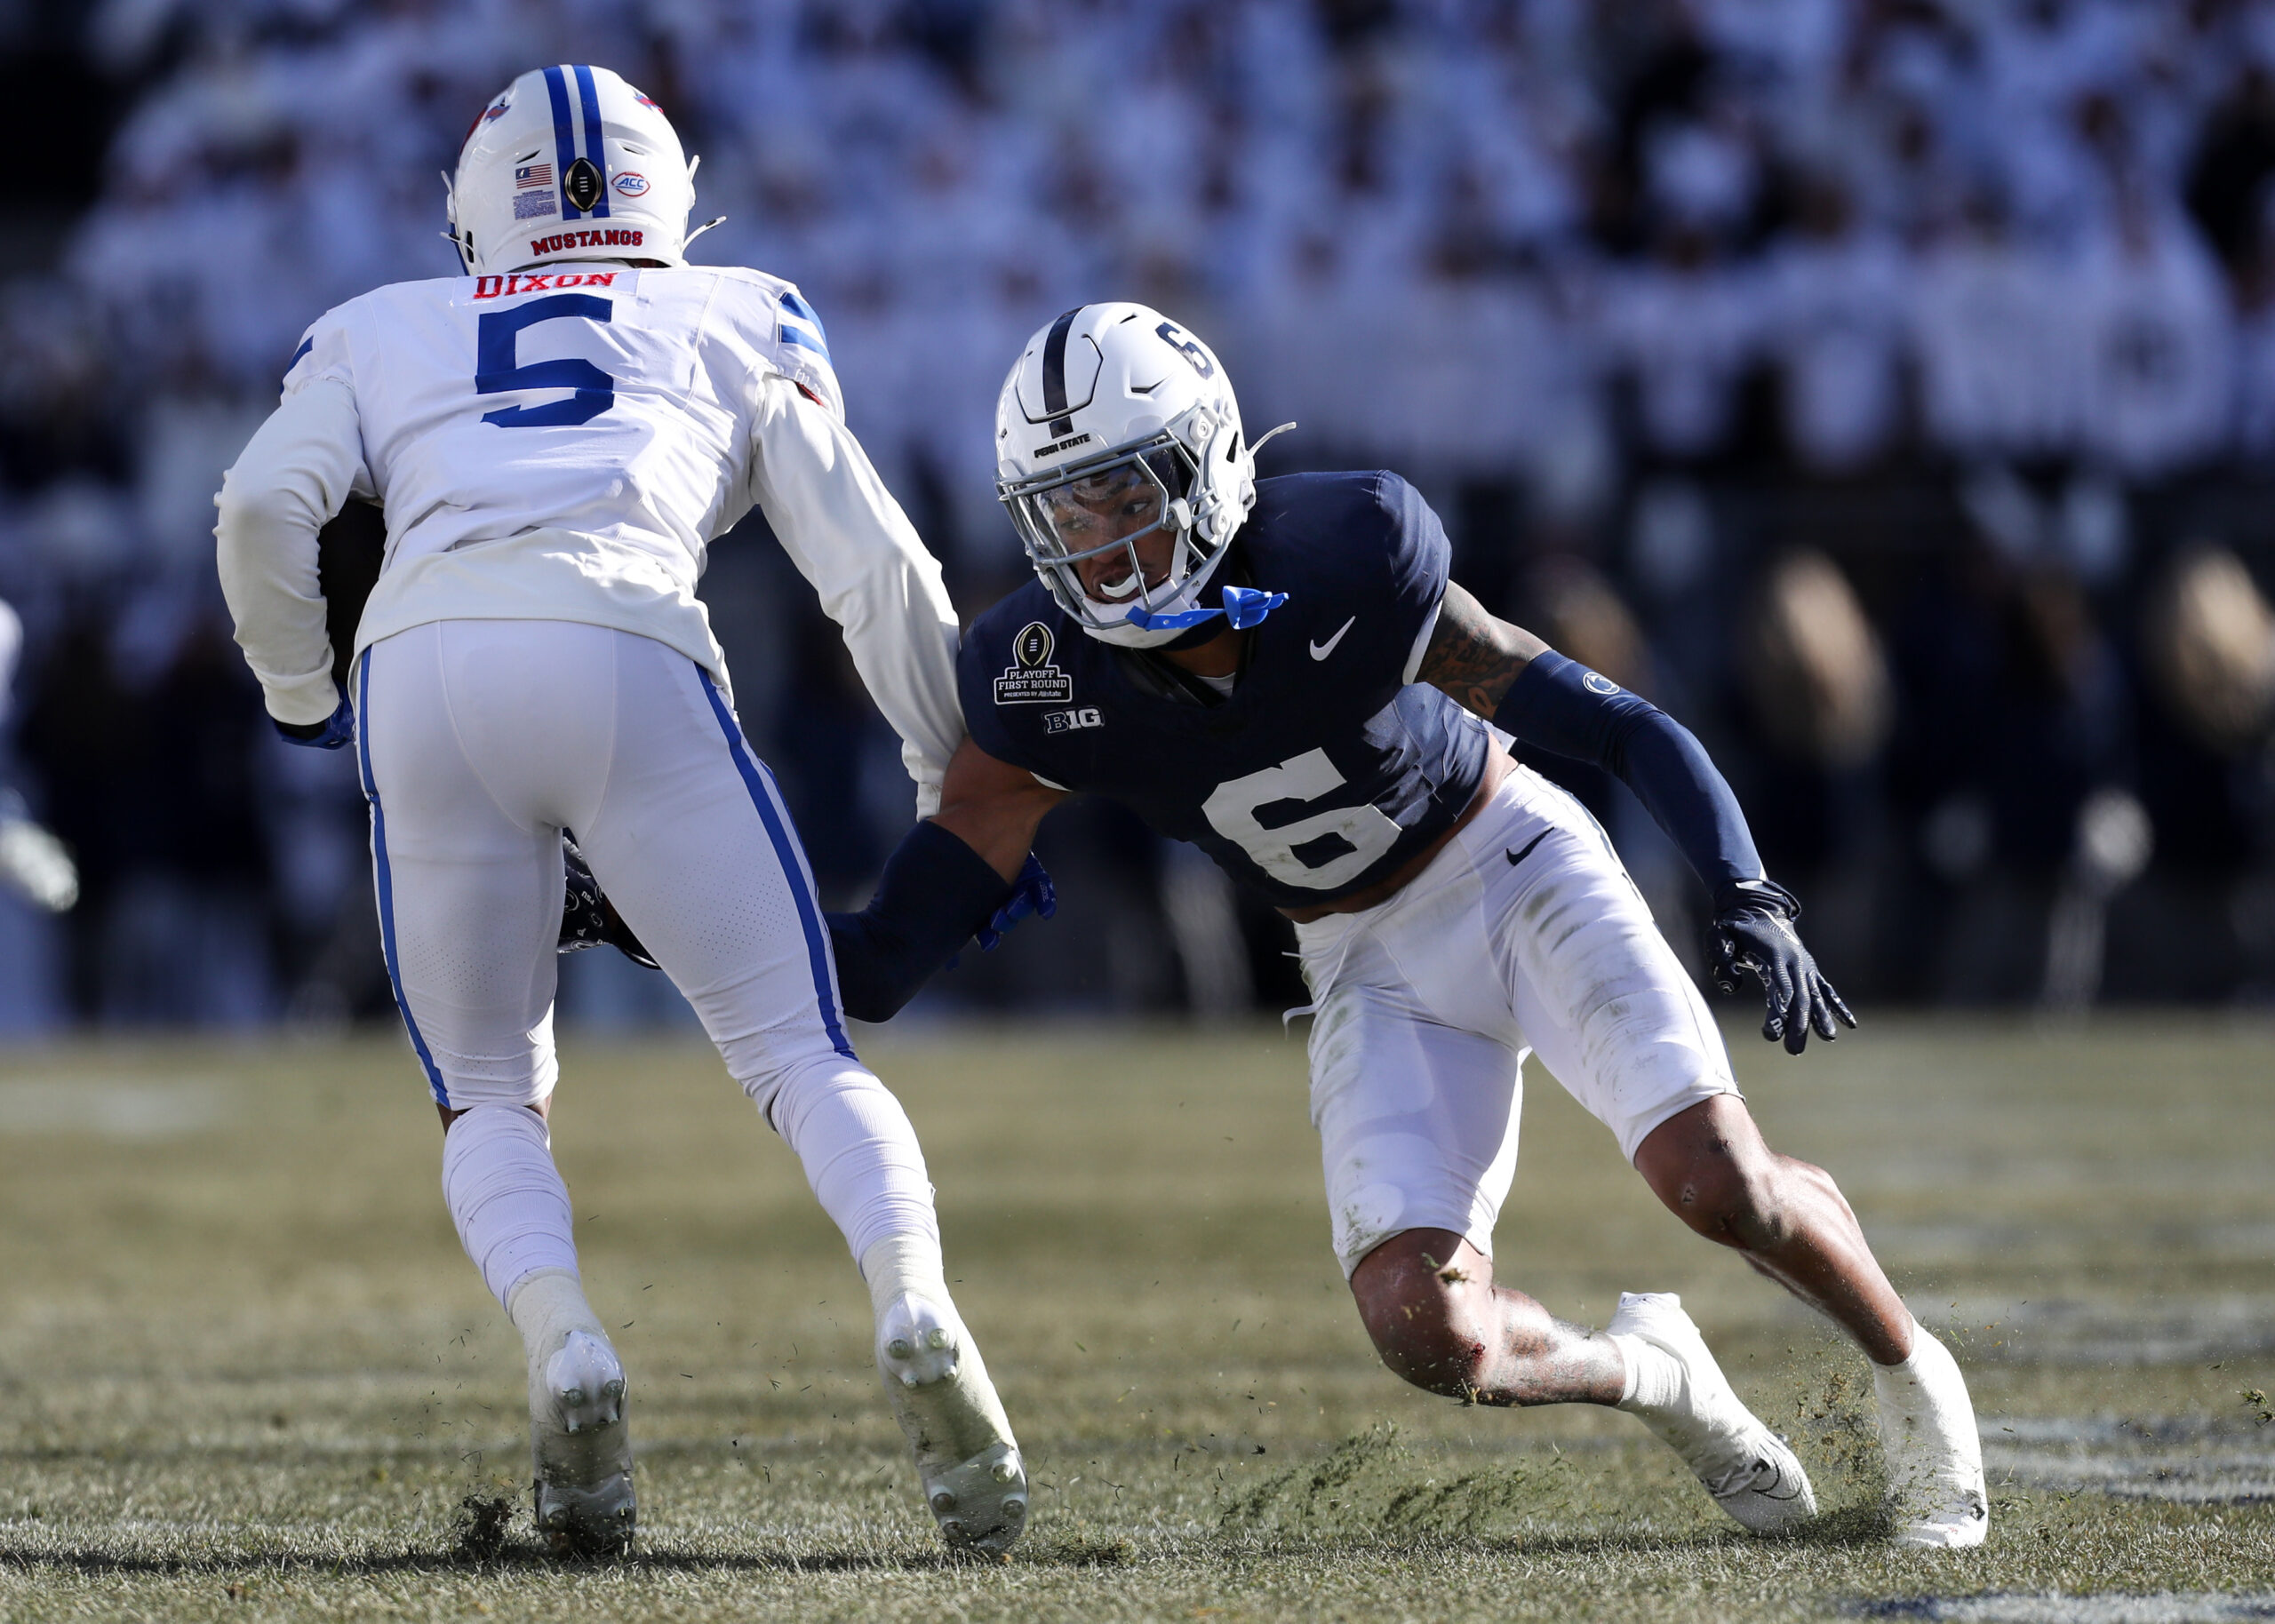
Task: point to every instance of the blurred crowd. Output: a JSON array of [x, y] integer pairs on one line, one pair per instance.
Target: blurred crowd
[[1885, 386]]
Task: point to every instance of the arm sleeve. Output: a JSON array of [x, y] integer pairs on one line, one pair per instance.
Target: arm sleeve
[[936, 892], [1562, 706], [295, 475], [849, 537]]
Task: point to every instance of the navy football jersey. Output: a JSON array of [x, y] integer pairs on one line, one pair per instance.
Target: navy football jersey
[[1323, 771]]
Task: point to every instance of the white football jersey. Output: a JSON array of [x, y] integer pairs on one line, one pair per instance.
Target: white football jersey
[[564, 445], [560, 444]]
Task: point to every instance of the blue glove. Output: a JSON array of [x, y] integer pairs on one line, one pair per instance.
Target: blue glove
[[335, 730], [1756, 933], [1032, 893]]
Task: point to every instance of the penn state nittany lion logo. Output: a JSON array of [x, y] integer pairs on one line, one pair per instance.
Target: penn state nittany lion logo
[[1033, 678]]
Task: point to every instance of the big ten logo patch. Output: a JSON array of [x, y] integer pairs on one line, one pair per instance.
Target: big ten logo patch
[[1066, 721], [1033, 678]]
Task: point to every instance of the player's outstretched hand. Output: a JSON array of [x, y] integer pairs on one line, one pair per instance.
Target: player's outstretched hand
[[1032, 893], [1757, 934]]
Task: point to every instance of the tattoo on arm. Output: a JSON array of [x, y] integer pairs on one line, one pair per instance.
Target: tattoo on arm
[[1473, 656]]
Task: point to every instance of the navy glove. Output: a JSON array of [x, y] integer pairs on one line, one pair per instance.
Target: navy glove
[[587, 918], [1032, 895], [333, 731], [1754, 932]]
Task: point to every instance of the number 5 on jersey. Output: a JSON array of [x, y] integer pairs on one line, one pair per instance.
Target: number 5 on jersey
[[498, 370]]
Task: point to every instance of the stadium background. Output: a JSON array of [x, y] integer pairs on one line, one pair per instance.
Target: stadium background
[[1885, 386]]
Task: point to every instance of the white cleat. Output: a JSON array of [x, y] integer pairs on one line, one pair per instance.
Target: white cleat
[[966, 1458], [581, 1450], [1749, 1469], [1935, 1493]]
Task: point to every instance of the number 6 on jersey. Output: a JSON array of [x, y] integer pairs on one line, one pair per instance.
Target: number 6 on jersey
[[1232, 808]]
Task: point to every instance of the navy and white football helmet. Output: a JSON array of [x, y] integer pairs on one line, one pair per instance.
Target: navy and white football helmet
[[566, 163], [1117, 423]]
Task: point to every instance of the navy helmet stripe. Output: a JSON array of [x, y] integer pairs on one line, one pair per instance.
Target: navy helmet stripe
[[385, 877], [564, 140], [795, 872], [595, 148], [1053, 373]]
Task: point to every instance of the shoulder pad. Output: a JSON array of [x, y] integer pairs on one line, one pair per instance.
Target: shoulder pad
[[786, 329]]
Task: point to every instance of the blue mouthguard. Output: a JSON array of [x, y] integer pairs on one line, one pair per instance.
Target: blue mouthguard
[[1244, 606]]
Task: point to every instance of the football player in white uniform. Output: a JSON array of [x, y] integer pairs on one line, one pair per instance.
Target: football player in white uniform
[[555, 437], [33, 863]]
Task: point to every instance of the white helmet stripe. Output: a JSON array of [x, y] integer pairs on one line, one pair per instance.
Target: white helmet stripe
[[595, 148]]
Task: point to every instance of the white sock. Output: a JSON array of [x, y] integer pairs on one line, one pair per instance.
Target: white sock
[[545, 1308], [859, 1153], [1654, 1375], [1927, 1390], [899, 1264], [505, 1196], [909, 1265]]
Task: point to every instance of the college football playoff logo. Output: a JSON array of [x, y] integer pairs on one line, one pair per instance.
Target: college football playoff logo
[[583, 184], [1033, 678]]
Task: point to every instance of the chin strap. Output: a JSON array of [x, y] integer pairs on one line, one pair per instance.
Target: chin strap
[[1244, 606]]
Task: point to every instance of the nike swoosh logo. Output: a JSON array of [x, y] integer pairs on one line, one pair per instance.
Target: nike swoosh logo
[[1516, 857], [1769, 1491], [1319, 651]]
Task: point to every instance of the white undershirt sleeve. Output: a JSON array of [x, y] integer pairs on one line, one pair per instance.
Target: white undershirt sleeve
[[1421, 649], [294, 476], [847, 536]]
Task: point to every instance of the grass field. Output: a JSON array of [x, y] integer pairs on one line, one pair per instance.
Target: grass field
[[248, 1374]]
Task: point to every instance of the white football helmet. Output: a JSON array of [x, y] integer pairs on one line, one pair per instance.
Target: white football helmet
[[1117, 423], [569, 163]]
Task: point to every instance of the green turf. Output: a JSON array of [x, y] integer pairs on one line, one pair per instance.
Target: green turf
[[247, 1373]]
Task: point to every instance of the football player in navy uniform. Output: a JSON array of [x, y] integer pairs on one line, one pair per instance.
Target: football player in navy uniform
[[1284, 675]]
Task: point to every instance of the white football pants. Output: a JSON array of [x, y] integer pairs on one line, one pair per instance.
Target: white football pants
[[1523, 935], [480, 741]]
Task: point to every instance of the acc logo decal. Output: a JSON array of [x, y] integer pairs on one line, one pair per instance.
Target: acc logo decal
[[1033, 679], [630, 184], [1066, 721]]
